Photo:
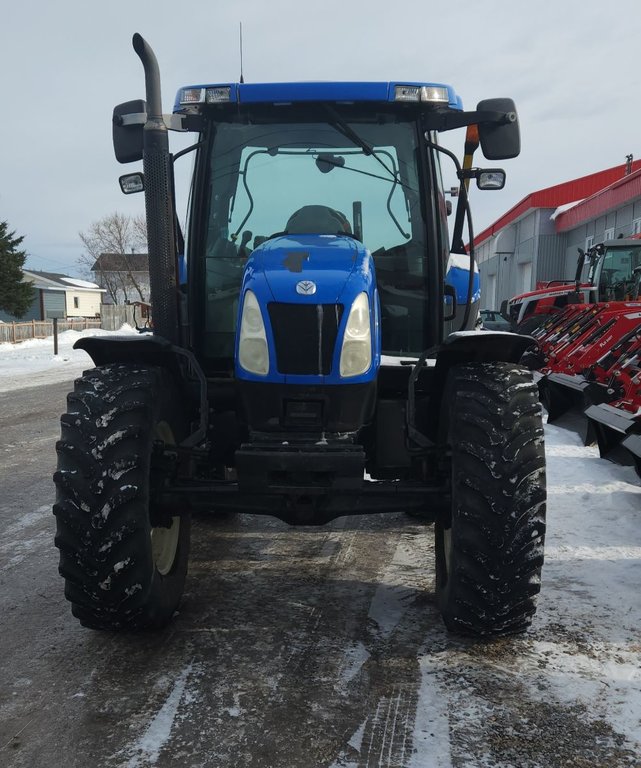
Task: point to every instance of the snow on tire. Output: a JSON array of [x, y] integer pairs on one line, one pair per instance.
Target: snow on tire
[[489, 544], [124, 559]]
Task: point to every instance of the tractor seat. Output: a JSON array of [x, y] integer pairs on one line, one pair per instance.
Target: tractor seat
[[317, 220]]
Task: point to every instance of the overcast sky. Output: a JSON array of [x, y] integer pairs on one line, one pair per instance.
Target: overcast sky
[[571, 66]]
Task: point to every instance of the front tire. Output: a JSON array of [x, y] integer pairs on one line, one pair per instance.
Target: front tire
[[489, 544], [123, 557]]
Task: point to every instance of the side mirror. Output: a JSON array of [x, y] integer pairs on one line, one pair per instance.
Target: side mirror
[[449, 302], [128, 122], [500, 140], [132, 183]]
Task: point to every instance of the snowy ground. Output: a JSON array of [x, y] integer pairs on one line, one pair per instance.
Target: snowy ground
[[33, 362], [572, 682]]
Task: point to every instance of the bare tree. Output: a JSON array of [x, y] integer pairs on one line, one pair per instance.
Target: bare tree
[[121, 236], [139, 227]]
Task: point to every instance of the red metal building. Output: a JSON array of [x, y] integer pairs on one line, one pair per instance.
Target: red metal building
[[537, 239]]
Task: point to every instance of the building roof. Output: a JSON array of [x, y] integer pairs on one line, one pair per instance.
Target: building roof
[[59, 282], [55, 277], [612, 196], [562, 194], [121, 262]]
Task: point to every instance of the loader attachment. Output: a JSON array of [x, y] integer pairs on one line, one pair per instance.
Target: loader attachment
[[561, 393], [611, 425], [632, 444]]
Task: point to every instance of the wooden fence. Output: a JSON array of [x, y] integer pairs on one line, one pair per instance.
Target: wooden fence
[[41, 329], [114, 315]]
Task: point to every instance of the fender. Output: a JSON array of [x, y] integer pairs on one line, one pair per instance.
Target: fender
[[467, 347], [152, 350], [158, 351], [489, 346]]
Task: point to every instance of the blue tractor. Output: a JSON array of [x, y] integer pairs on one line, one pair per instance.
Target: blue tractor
[[313, 353]]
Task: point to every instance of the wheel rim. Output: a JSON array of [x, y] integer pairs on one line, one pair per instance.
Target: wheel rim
[[164, 541], [447, 550], [164, 545]]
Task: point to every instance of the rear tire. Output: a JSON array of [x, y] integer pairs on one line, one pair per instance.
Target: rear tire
[[489, 544], [124, 559]]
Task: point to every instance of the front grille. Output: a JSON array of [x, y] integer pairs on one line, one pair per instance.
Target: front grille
[[305, 336]]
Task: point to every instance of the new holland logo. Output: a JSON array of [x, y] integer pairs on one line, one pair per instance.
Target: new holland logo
[[306, 287]]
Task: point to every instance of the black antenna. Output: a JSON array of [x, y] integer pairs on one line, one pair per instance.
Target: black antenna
[[242, 79]]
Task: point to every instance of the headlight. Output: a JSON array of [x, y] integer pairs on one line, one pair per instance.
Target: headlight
[[253, 354], [356, 352]]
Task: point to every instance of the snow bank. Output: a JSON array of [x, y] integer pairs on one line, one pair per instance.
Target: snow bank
[[32, 362]]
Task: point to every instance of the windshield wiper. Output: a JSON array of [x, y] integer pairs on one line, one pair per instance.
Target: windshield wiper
[[337, 122]]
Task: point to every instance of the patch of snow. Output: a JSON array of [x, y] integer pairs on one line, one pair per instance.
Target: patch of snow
[[106, 584], [391, 598], [431, 733], [111, 439], [148, 748], [399, 360], [235, 710], [356, 743], [356, 739], [32, 362], [27, 521], [15, 546], [563, 208], [75, 281], [104, 420], [355, 657]]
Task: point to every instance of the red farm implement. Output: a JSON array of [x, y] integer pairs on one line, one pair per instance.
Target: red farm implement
[[590, 360]]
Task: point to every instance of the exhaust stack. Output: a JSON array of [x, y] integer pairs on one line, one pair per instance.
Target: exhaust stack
[[159, 202]]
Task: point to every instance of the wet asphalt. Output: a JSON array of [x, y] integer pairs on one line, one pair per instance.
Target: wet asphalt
[[294, 647]]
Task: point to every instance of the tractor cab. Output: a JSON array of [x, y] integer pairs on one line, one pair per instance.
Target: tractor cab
[[614, 269], [319, 246], [609, 271], [287, 191], [304, 179]]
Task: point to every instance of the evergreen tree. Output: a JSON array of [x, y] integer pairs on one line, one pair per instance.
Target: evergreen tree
[[15, 296]]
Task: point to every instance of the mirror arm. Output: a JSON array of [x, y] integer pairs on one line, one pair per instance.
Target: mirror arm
[[172, 122], [448, 121]]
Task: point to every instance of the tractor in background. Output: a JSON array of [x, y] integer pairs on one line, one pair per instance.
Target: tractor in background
[[589, 346], [609, 271]]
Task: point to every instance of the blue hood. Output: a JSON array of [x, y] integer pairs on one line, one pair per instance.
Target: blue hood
[[327, 269], [329, 261]]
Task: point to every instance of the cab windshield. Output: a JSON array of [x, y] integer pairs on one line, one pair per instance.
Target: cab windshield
[[361, 178], [619, 274]]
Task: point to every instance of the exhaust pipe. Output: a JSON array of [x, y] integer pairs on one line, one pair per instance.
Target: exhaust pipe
[[159, 202]]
